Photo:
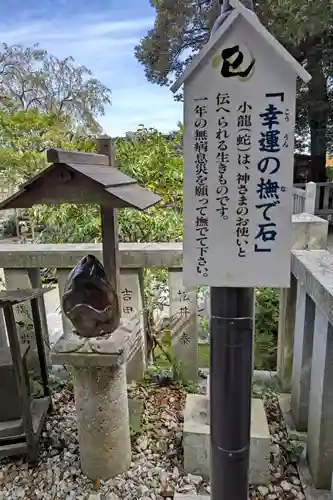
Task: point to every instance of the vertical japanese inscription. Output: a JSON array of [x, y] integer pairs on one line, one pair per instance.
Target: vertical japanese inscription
[[201, 183], [244, 143], [268, 188], [222, 155]]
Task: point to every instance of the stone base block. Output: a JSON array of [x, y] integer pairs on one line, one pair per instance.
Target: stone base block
[[196, 439], [191, 496]]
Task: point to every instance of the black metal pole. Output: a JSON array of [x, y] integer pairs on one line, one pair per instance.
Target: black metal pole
[[231, 330]]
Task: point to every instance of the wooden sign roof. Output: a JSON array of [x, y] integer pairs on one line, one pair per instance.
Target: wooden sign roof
[[239, 10], [80, 178]]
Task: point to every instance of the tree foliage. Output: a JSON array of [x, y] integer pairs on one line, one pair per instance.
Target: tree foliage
[[304, 28], [32, 78], [155, 163], [25, 135]]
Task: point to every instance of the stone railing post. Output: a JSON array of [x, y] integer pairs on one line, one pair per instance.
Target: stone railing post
[[183, 301], [98, 366], [310, 198], [131, 304], [320, 425], [303, 345], [62, 275], [25, 279], [309, 233]]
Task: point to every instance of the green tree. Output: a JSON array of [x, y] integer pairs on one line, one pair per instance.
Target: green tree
[[32, 78], [25, 135], [156, 163], [303, 27]]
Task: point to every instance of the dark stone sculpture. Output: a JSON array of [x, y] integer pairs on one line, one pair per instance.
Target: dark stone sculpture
[[89, 300]]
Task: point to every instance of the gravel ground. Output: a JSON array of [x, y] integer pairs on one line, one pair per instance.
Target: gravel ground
[[156, 469]]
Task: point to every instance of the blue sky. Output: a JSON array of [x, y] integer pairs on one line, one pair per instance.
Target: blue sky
[[100, 34]]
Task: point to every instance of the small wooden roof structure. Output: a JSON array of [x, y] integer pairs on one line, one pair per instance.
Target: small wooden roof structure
[[80, 178], [239, 10]]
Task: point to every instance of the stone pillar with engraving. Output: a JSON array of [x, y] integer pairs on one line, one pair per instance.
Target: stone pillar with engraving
[[98, 365]]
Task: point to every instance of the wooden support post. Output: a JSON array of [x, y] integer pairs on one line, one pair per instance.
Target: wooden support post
[[109, 226], [22, 383]]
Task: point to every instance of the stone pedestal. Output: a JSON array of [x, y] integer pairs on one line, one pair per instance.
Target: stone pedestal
[[99, 369], [196, 439]]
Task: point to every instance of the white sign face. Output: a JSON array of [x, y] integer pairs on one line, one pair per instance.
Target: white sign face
[[239, 114]]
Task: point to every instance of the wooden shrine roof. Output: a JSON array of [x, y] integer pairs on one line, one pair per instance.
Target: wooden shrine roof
[[81, 178]]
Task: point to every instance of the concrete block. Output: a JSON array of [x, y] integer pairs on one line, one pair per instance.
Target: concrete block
[[190, 496], [196, 439]]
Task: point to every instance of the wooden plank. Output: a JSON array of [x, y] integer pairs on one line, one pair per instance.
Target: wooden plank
[[109, 228], [104, 174], [6, 357], [40, 345], [135, 195], [22, 383], [12, 297], [68, 156], [13, 449], [39, 410]]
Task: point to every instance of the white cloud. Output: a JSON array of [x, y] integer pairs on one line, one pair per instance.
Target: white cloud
[[105, 44]]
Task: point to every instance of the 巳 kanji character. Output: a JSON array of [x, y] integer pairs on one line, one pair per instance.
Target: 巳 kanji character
[[244, 121], [222, 100], [270, 141], [231, 64], [245, 107], [200, 110], [269, 162], [266, 207], [268, 189], [201, 190], [270, 116]]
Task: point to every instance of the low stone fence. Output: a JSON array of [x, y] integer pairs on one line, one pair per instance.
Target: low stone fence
[[312, 368], [305, 342], [304, 198]]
